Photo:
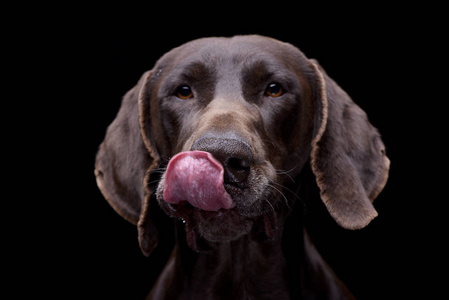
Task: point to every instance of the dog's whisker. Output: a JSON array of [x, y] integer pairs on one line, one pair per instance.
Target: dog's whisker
[[284, 172], [282, 194], [289, 190], [153, 182], [272, 207]]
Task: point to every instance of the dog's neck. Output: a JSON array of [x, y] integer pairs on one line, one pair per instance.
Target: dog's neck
[[249, 269], [234, 270]]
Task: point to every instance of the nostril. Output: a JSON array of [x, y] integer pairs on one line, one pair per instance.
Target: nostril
[[236, 170], [239, 165], [234, 154]]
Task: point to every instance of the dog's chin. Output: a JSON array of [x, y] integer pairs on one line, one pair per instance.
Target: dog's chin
[[220, 226], [206, 230]]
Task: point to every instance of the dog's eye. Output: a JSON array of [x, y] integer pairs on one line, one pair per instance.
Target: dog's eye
[[184, 92], [274, 90]]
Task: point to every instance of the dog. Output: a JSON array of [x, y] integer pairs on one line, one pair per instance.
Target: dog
[[224, 134]]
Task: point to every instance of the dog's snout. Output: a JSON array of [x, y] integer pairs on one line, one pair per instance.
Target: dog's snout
[[235, 154]]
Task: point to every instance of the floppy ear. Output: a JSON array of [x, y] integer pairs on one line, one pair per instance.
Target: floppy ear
[[123, 164], [348, 157]]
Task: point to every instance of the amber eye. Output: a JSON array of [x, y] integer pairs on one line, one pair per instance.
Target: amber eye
[[274, 90], [184, 92]]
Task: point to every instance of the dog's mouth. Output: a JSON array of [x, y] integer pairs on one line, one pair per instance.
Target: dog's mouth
[[194, 189], [196, 177]]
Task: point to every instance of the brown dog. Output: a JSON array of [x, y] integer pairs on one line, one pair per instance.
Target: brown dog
[[221, 134]]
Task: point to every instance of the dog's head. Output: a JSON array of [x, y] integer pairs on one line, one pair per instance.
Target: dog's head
[[219, 132]]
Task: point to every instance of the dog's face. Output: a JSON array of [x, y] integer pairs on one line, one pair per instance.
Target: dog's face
[[220, 130], [251, 108]]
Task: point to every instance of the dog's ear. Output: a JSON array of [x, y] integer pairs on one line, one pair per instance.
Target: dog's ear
[[124, 163], [348, 156]]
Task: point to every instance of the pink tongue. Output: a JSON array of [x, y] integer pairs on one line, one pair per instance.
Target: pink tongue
[[196, 177]]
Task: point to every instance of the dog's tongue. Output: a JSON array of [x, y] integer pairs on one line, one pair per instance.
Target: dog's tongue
[[196, 177]]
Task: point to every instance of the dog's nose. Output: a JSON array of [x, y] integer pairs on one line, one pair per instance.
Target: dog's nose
[[234, 154]]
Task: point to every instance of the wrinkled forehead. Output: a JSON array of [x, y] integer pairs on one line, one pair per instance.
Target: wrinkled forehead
[[234, 55]]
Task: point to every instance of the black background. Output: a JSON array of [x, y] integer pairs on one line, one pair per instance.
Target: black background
[[82, 60]]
